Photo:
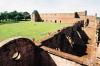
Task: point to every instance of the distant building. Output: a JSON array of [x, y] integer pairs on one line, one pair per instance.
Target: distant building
[[62, 17]]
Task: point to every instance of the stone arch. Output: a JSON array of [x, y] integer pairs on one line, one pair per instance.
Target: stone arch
[[87, 22], [55, 21], [60, 21]]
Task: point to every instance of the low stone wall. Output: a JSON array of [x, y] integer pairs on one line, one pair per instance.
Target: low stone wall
[[70, 40], [69, 43]]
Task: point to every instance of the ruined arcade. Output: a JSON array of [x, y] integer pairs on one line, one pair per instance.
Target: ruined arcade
[[77, 43], [62, 17]]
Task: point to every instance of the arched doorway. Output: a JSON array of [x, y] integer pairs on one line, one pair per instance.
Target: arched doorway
[[87, 22], [55, 21], [60, 21]]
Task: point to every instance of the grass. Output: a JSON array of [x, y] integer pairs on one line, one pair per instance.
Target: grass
[[28, 29]]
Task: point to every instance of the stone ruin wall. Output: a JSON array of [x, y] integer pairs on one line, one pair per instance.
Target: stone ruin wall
[[36, 56], [92, 18], [57, 17], [33, 17], [64, 17]]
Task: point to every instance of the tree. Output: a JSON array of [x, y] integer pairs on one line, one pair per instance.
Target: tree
[[5, 15], [14, 15], [2, 16], [26, 15], [19, 16]]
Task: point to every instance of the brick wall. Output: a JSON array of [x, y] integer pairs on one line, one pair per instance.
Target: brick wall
[[64, 17]]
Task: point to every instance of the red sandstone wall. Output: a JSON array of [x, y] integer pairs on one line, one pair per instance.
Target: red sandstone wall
[[56, 17], [33, 17], [65, 17], [92, 18], [82, 13]]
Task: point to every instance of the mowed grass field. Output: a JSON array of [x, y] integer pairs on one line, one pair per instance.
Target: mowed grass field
[[29, 29]]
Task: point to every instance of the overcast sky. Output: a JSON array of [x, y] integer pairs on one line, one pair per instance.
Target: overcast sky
[[92, 6]]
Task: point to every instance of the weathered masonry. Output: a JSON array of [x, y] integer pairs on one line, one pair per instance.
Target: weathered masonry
[[62, 17], [74, 43]]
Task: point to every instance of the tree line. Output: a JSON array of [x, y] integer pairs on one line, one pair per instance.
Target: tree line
[[14, 16]]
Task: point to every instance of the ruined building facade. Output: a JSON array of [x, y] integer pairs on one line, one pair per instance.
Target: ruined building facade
[[62, 17]]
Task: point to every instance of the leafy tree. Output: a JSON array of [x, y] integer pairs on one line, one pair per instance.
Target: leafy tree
[[14, 15], [5, 15], [2, 16], [26, 15], [19, 16]]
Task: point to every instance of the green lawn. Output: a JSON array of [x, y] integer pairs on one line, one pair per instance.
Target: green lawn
[[29, 29]]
